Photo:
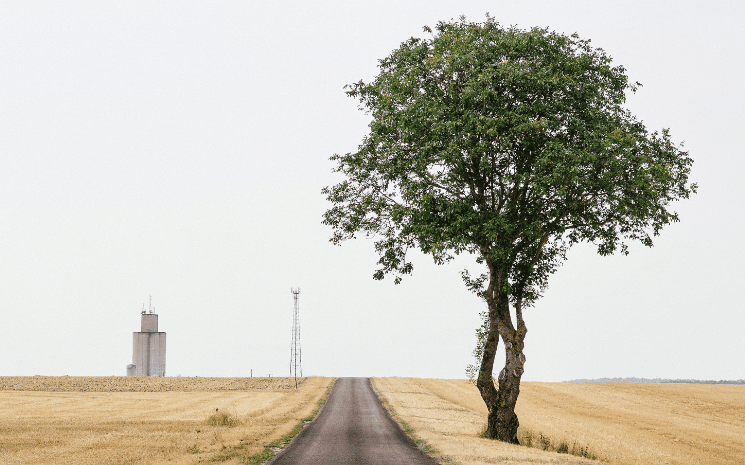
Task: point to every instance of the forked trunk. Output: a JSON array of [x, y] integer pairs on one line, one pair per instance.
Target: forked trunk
[[502, 422]]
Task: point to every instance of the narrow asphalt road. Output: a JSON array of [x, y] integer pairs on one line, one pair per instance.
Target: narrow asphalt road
[[352, 428]]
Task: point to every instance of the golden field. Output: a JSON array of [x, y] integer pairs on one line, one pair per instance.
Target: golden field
[[650, 424], [139, 420]]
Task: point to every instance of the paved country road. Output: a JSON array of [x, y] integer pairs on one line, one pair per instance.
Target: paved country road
[[352, 428]]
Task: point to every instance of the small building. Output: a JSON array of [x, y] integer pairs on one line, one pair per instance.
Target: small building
[[149, 349]]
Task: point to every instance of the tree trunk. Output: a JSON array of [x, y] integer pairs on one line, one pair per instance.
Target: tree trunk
[[502, 422], [502, 419], [485, 382]]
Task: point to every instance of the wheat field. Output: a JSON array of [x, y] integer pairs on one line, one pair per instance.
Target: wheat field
[[120, 420], [645, 424], [140, 420]]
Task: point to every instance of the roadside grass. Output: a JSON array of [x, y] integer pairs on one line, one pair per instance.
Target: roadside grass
[[241, 453], [421, 443], [529, 438]]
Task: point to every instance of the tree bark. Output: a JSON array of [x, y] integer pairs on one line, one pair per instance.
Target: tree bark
[[502, 422], [485, 382]]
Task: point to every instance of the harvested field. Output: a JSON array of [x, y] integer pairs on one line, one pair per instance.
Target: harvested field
[[139, 420], [647, 424], [139, 384]]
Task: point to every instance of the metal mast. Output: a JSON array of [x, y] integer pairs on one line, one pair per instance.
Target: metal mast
[[296, 354]]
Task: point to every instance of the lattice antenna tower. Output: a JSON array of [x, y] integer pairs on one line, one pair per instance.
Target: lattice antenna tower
[[296, 354]]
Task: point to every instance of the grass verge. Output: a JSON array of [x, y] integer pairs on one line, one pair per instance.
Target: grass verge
[[529, 438], [421, 443], [239, 452]]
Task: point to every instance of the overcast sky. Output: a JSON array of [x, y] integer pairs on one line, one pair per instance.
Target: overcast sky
[[178, 149]]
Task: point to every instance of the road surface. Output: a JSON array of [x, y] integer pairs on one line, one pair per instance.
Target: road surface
[[352, 428]]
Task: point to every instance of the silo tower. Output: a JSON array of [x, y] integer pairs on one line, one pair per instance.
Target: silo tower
[[149, 347]]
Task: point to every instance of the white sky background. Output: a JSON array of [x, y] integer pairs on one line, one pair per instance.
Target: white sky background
[[178, 149]]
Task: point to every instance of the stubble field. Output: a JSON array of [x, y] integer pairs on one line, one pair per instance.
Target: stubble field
[[120, 420], [137, 420], [646, 424]]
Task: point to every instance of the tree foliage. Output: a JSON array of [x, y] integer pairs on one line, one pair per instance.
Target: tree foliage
[[507, 144]]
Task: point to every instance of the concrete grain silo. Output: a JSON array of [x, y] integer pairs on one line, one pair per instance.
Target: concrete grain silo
[[149, 349]]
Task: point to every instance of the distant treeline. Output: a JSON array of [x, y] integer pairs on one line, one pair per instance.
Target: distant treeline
[[656, 380]]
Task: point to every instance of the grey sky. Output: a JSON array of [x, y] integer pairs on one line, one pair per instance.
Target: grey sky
[[178, 149]]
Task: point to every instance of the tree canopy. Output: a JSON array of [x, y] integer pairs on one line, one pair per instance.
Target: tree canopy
[[510, 145]]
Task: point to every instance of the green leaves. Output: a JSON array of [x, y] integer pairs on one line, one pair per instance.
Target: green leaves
[[508, 144]]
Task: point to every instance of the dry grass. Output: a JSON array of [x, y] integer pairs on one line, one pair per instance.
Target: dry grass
[[120, 420], [229, 419], [139, 384], [621, 423]]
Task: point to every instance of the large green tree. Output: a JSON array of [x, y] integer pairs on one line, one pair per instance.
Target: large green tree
[[510, 145]]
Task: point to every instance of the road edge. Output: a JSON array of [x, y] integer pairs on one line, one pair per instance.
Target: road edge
[[274, 449], [420, 443]]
